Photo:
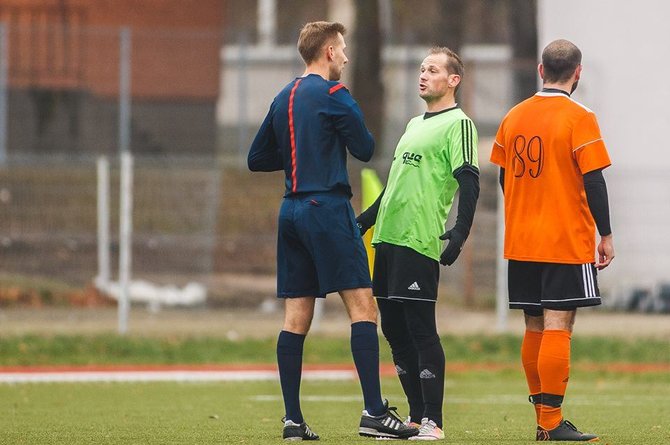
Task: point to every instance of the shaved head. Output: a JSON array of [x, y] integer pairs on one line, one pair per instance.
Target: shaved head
[[560, 60]]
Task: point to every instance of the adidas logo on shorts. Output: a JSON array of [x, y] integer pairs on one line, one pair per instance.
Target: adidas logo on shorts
[[414, 286]]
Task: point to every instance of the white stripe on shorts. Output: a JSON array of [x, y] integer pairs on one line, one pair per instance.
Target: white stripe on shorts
[[589, 281]]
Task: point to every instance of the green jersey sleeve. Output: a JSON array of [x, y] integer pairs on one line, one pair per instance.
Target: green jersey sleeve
[[462, 146]]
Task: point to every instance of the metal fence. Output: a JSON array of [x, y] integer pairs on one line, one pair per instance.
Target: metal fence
[[198, 214], [70, 93], [49, 216], [193, 220]]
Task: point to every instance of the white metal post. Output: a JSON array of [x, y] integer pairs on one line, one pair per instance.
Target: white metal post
[[102, 281], [125, 238], [243, 97], [124, 89], [319, 307], [501, 266], [267, 22], [126, 189]]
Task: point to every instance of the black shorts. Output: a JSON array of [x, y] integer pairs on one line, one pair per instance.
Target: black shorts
[[402, 273], [536, 286]]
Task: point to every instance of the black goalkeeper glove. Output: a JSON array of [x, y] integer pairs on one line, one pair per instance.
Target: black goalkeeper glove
[[362, 224], [454, 246], [368, 218]]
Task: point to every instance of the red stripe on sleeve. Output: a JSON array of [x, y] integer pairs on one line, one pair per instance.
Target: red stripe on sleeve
[[294, 182], [339, 86]]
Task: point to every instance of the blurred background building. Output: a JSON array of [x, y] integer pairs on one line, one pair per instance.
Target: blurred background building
[[184, 84], [63, 66]]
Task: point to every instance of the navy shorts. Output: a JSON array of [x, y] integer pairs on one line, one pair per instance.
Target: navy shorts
[[319, 247], [537, 286]]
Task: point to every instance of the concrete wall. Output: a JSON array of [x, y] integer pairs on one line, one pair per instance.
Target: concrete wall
[[252, 76], [626, 65]]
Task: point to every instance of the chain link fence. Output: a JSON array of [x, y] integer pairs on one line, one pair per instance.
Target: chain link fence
[[198, 214]]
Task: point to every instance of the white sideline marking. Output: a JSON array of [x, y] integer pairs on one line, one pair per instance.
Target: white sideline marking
[[274, 398], [512, 399], [164, 376], [502, 399]]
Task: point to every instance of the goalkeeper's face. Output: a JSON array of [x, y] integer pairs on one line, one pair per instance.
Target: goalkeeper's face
[[336, 58], [435, 82]]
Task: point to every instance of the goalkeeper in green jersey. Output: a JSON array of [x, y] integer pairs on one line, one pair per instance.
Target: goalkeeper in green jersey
[[435, 157]]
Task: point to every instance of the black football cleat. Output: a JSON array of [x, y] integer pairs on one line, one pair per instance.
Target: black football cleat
[[297, 431], [385, 426], [565, 431]]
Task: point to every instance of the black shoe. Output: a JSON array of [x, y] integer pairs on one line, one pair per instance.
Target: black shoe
[[297, 431], [565, 431], [388, 425]]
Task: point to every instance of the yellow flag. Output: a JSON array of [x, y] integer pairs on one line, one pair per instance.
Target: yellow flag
[[371, 188]]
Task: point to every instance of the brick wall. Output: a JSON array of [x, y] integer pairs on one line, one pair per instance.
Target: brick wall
[[74, 44], [63, 67]]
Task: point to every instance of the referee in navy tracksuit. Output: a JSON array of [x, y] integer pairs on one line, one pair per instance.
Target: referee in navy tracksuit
[[311, 124]]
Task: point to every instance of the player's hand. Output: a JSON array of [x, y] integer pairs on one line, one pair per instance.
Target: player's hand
[[363, 226], [605, 252], [454, 246]]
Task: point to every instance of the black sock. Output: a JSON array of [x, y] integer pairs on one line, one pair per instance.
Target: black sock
[[405, 356], [431, 375], [365, 350], [406, 362], [289, 362], [421, 324]]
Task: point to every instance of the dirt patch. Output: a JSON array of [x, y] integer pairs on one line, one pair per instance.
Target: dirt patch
[[19, 296]]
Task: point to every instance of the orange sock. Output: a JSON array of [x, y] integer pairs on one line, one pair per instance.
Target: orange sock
[[530, 348], [553, 365]]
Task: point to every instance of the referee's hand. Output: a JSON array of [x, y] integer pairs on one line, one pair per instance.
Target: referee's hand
[[454, 246]]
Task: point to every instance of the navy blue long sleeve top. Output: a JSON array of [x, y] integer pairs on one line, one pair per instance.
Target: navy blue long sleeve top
[[309, 128]]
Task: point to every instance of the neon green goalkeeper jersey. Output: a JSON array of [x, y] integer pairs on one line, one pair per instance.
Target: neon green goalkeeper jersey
[[421, 184]]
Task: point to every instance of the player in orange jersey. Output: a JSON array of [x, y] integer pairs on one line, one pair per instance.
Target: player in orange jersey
[[551, 156]]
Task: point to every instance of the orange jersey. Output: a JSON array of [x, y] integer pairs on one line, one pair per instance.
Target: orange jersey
[[546, 144]]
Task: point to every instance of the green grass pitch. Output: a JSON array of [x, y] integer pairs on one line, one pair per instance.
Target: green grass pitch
[[481, 407]]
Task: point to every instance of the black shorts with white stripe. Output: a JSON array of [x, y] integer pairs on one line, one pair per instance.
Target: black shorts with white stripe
[[535, 286]]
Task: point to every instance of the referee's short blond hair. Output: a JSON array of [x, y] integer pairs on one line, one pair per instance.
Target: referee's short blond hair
[[314, 35]]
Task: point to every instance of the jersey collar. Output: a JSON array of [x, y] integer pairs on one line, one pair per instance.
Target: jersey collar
[[552, 92], [428, 114]]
